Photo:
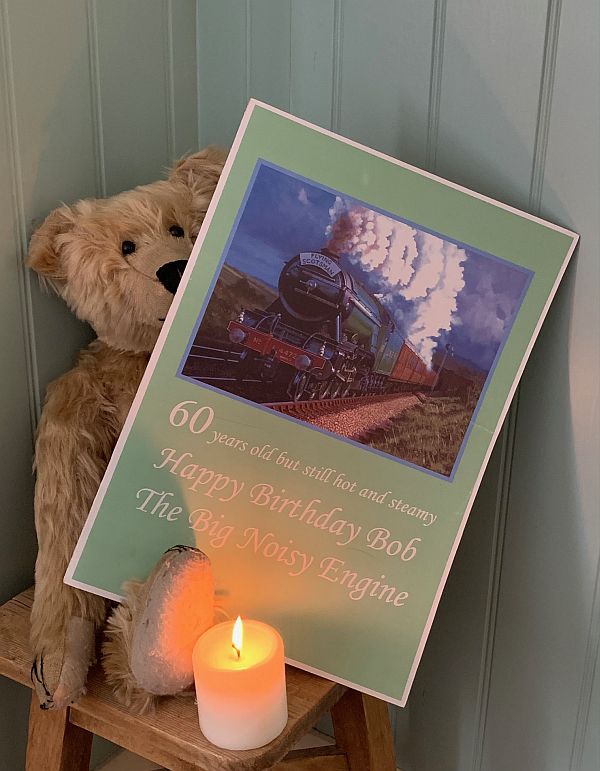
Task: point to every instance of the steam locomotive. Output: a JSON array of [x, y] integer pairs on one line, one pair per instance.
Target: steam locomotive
[[326, 336]]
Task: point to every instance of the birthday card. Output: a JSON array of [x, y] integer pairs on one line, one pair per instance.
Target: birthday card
[[325, 394]]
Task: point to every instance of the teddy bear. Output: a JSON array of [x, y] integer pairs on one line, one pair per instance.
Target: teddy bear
[[117, 263]]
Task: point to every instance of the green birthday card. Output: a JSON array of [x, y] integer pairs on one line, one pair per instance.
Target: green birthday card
[[325, 395]]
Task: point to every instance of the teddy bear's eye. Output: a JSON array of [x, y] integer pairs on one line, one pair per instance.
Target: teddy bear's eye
[[176, 231], [128, 247]]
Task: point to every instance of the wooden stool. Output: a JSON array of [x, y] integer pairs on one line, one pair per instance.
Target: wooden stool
[[61, 740]]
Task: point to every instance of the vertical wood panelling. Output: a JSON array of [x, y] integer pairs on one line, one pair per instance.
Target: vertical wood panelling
[[435, 82], [98, 96], [16, 407], [135, 91], [312, 60], [546, 652], [492, 67], [49, 69], [464, 88], [386, 60], [183, 66], [473, 95], [270, 51], [222, 73], [83, 88]]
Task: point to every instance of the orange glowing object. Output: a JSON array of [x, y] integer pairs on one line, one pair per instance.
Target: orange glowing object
[[237, 636], [241, 697]]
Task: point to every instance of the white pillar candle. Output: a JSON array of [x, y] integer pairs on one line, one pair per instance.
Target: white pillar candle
[[242, 702]]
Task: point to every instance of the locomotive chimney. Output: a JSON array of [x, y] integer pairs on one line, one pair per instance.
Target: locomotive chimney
[[328, 253]]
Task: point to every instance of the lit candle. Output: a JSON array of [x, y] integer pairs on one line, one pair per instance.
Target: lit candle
[[240, 684]]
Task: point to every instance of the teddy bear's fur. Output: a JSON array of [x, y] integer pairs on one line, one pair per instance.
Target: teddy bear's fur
[[124, 295]]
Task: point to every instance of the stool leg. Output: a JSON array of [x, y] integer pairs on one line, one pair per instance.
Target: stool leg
[[55, 744], [361, 725]]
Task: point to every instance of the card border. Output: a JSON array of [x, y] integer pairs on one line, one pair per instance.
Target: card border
[[252, 105]]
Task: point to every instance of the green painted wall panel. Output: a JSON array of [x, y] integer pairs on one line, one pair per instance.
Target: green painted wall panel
[[16, 520], [54, 141], [269, 60], [102, 95], [134, 85], [488, 102], [385, 71], [92, 97], [312, 59], [222, 83], [546, 650], [467, 88], [183, 74]]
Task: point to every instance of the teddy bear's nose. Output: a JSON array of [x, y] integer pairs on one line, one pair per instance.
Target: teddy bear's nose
[[170, 274]]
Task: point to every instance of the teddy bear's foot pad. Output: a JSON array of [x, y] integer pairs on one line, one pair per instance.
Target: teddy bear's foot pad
[[158, 625], [59, 676]]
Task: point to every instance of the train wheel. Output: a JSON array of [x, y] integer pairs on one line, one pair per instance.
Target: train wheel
[[312, 388], [336, 389], [345, 390], [244, 368], [324, 389], [298, 386]]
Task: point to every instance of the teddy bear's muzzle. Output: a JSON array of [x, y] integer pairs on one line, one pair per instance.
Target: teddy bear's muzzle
[[170, 274]]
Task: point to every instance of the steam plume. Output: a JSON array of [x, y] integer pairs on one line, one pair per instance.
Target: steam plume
[[415, 274]]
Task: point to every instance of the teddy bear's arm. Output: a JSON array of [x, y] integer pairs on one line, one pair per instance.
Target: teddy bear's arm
[[75, 438]]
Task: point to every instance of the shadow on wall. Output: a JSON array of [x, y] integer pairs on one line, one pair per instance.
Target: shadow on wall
[[444, 725]]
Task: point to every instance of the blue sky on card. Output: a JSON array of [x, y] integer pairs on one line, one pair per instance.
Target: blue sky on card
[[438, 291]]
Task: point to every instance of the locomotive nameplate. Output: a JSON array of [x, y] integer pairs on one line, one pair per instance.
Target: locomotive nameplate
[[326, 264], [324, 396]]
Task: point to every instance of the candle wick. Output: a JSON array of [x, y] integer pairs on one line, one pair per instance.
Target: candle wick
[[237, 650]]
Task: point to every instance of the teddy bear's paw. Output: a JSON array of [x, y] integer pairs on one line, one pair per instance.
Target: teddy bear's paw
[[59, 676], [151, 636], [43, 689]]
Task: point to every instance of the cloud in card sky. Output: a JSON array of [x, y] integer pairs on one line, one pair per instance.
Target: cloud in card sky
[[439, 292]]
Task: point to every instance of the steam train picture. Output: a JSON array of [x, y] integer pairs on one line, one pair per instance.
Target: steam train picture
[[326, 336]]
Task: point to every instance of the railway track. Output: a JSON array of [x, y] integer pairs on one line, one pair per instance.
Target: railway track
[[316, 408], [357, 417]]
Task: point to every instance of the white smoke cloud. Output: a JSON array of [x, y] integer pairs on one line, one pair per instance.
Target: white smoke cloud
[[399, 261]]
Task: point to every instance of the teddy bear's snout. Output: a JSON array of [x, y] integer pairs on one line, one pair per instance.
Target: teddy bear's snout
[[170, 274]]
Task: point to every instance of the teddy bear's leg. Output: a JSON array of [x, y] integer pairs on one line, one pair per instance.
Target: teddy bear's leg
[[63, 630], [149, 639], [70, 462]]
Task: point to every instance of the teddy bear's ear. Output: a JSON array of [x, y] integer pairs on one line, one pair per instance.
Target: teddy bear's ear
[[201, 168], [44, 247]]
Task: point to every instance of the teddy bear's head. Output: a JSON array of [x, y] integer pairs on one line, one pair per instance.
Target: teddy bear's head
[[117, 262]]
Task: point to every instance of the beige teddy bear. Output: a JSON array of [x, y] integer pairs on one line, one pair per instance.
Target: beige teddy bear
[[117, 263]]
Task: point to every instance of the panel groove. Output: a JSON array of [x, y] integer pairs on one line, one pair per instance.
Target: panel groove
[[545, 104], [508, 448], [26, 304], [336, 69], [96, 98], [198, 79], [289, 73], [248, 48], [587, 683], [169, 79], [435, 83], [493, 593]]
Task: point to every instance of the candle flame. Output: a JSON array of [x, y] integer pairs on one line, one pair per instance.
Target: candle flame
[[237, 637]]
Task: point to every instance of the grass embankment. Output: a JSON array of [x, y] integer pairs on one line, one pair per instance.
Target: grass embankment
[[430, 434], [233, 292]]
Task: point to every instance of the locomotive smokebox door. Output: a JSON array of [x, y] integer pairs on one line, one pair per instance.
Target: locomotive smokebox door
[[312, 289]]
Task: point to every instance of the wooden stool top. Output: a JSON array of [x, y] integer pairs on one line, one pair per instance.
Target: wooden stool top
[[170, 736]]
